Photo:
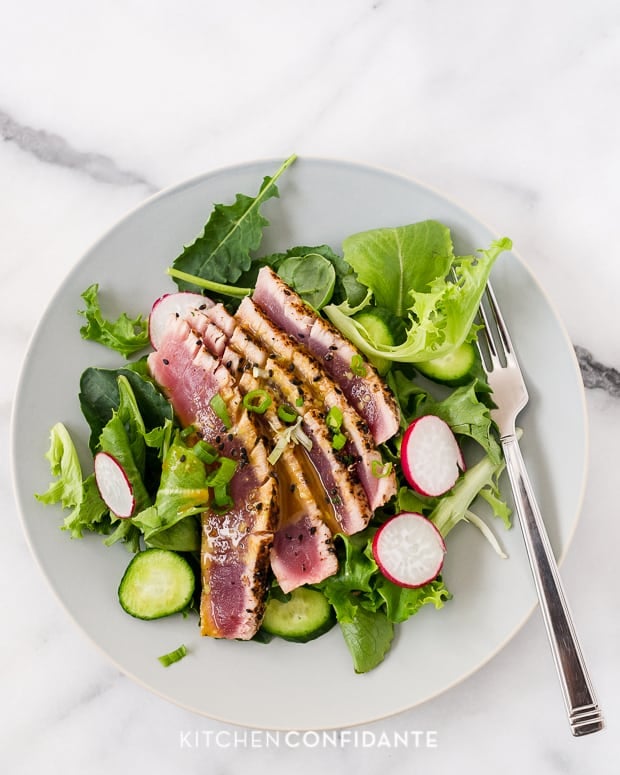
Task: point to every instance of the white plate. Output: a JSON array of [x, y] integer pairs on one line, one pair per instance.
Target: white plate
[[282, 685]]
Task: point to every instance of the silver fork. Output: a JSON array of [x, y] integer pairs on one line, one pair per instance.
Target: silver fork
[[510, 395]]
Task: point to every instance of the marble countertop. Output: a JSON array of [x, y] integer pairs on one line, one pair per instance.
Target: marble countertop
[[509, 108]]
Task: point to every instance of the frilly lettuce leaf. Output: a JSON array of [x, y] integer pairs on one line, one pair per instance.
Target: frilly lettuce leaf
[[124, 335], [88, 511]]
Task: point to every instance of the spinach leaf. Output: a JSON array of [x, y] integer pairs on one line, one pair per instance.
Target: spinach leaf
[[124, 335], [312, 276], [99, 398], [223, 251]]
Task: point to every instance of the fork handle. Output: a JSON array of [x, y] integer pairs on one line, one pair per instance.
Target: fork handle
[[584, 714]]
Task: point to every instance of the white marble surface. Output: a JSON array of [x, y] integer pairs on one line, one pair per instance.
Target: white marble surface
[[510, 108]]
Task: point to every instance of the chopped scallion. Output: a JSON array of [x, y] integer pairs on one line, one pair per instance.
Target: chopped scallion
[[257, 401], [223, 473], [286, 413], [299, 401], [174, 656], [380, 470], [338, 441], [205, 452], [219, 407], [358, 367], [334, 418]]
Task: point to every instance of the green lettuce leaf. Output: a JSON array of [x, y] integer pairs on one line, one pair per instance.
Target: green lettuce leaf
[[401, 602], [124, 335], [223, 251], [393, 262], [88, 511], [183, 492], [123, 438], [368, 636], [481, 479], [413, 272]]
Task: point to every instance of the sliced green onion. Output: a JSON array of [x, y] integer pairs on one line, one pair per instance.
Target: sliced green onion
[[284, 439], [300, 437], [339, 440], [358, 367], [221, 496], [334, 418], [257, 401], [223, 473], [188, 431], [286, 413], [205, 452], [380, 470], [299, 401], [174, 656], [219, 407]]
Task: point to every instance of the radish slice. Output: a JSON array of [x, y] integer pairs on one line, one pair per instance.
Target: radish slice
[[430, 456], [171, 304], [114, 486], [409, 550]]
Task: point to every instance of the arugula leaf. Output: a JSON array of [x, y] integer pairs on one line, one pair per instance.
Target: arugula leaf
[[223, 250], [88, 511], [125, 335]]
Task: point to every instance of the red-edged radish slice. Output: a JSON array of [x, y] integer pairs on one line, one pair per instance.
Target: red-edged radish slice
[[430, 456], [114, 486], [409, 550], [170, 304]]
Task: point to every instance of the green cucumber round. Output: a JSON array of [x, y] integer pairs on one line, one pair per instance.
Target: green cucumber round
[[452, 369], [382, 328], [157, 583], [304, 616]]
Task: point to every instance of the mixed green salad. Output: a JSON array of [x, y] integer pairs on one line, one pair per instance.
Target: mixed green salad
[[404, 299]]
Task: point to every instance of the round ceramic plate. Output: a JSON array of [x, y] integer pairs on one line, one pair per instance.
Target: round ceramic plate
[[283, 685]]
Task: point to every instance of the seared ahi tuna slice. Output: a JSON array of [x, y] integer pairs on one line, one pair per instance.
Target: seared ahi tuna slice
[[236, 543], [303, 550], [340, 481], [367, 393], [310, 558], [360, 446]]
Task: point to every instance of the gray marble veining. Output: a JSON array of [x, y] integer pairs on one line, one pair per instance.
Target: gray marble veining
[[54, 149], [597, 375]]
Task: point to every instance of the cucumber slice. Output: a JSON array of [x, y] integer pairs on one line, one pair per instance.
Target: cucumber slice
[[157, 583], [303, 617], [382, 327], [453, 369]]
